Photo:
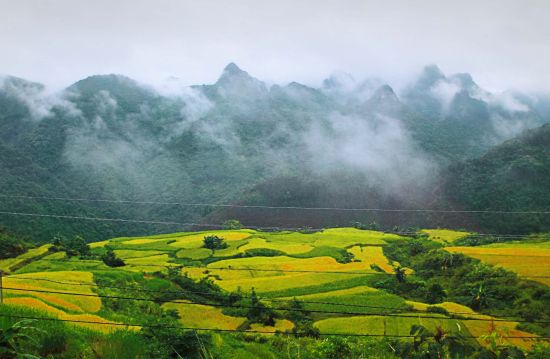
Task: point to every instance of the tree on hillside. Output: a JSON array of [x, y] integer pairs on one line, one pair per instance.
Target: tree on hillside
[[76, 246], [400, 274], [232, 224], [214, 242], [111, 259], [435, 293]]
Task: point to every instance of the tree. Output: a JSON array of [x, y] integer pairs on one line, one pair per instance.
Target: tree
[[435, 293], [12, 338], [214, 242], [232, 224], [400, 274], [110, 259]]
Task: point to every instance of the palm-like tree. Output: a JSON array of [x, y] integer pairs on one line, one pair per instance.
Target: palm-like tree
[[13, 337]]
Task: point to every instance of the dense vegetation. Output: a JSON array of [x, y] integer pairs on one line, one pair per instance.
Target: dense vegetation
[[239, 140]]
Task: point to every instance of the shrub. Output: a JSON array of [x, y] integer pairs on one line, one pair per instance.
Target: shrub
[[214, 242], [110, 259]]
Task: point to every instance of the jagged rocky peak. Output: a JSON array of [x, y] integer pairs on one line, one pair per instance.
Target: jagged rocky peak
[[236, 82], [232, 72], [339, 81], [385, 93], [430, 75]]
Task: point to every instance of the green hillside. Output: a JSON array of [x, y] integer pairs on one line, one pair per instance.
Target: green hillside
[[511, 177]]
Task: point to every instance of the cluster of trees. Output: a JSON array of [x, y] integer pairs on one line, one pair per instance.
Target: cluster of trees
[[75, 246], [440, 275], [11, 245]]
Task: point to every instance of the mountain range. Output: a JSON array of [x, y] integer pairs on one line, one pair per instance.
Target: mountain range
[[441, 142]]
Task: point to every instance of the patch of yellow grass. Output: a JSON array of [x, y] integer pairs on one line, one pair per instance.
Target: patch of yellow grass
[[444, 236], [130, 253], [274, 280], [379, 325], [483, 327], [89, 304], [529, 259], [99, 244], [345, 237], [7, 264], [160, 259], [194, 253], [281, 325], [288, 248], [197, 240], [39, 305], [417, 305], [203, 316], [372, 255], [337, 293], [141, 241]]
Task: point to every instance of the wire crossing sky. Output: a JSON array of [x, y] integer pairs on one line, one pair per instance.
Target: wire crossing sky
[[503, 43]]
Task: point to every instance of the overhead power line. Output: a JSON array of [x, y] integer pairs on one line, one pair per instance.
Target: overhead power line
[[124, 220], [274, 308], [240, 330], [221, 226], [176, 265], [190, 204], [220, 295]]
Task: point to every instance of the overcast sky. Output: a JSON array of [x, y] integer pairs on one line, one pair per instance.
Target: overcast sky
[[504, 44]]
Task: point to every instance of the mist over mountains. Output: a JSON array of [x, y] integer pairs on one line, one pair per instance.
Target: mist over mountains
[[348, 143]]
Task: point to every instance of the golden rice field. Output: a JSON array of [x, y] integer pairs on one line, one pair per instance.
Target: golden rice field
[[281, 325], [196, 240], [444, 236], [203, 316], [50, 310], [380, 325], [526, 259], [287, 247], [6, 265], [482, 327], [130, 253], [70, 303], [372, 255], [194, 253]]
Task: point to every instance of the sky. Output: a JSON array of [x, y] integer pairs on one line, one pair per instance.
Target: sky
[[504, 44]]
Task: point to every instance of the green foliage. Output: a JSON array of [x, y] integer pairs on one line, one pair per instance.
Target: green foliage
[[10, 245], [76, 246], [110, 259], [232, 224], [214, 242], [440, 275], [263, 252], [15, 337]]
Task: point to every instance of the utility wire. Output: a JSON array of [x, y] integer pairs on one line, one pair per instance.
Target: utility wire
[[274, 308], [103, 219], [239, 330], [221, 226], [176, 265], [219, 295], [269, 207]]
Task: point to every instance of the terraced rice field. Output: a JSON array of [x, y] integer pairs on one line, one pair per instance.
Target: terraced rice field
[[281, 325], [372, 256], [11, 264], [67, 303], [526, 259], [312, 275], [444, 236], [57, 313], [379, 325], [286, 247], [205, 317]]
